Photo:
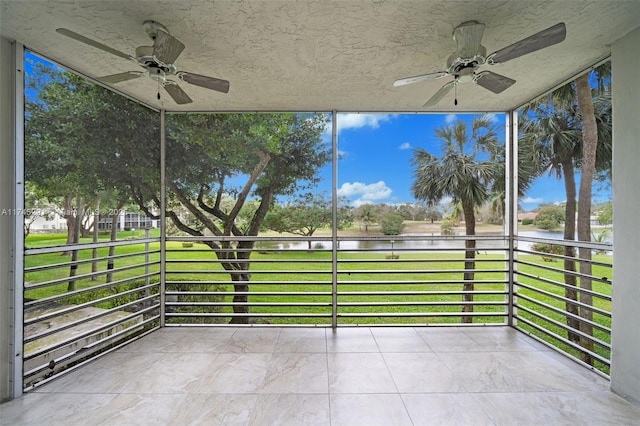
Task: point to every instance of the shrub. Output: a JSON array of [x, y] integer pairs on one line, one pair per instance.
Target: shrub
[[527, 221], [549, 217], [392, 224], [446, 228], [548, 248]]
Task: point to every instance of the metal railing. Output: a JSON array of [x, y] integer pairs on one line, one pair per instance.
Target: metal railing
[[303, 281], [77, 309], [565, 300], [109, 295]]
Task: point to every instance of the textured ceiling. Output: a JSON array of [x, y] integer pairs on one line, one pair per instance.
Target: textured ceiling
[[323, 55]]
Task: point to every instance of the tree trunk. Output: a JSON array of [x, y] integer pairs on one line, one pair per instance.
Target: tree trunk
[[570, 251], [70, 218], [469, 261], [73, 269], [96, 218], [589, 147], [242, 286], [114, 237]]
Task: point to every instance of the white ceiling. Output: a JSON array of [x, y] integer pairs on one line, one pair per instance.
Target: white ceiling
[[284, 55]]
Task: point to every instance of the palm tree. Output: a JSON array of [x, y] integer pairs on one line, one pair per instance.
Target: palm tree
[[553, 141], [467, 171]]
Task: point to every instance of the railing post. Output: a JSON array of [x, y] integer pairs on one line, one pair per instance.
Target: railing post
[[163, 225], [334, 227], [511, 211]]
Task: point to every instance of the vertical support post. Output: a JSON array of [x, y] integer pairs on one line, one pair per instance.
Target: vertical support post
[[163, 224], [146, 257], [18, 226], [334, 227], [511, 210]]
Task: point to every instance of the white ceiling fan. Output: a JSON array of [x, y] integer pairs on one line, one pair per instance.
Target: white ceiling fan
[[470, 55], [158, 62]]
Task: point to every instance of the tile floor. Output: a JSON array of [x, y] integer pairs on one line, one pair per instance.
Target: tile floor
[[317, 376]]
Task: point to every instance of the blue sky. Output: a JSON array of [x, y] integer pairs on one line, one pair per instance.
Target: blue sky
[[375, 158], [375, 152]]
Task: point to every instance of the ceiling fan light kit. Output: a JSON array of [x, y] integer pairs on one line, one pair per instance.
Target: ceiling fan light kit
[[158, 62], [463, 64]]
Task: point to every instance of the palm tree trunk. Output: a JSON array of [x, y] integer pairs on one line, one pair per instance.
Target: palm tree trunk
[[469, 261], [569, 251], [589, 147]]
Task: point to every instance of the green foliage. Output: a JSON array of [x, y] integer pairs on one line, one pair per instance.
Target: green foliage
[[446, 227], [548, 248], [605, 213], [392, 224], [527, 221], [549, 217]]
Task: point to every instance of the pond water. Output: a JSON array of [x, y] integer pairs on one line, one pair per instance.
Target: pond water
[[407, 245]]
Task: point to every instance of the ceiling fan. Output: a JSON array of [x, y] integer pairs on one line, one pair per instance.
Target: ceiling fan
[[158, 62], [470, 55]]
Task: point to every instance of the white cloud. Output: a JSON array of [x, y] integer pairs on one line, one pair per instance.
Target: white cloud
[[530, 200], [365, 193], [450, 118], [405, 145], [356, 121]]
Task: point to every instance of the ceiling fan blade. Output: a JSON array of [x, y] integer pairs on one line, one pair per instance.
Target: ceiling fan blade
[[93, 43], [179, 96], [493, 82], [123, 76], [204, 81], [468, 37], [437, 97], [166, 48], [418, 78], [545, 38]]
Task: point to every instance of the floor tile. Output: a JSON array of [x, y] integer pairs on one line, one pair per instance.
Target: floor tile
[[446, 409], [296, 373], [306, 340], [234, 373], [399, 339], [419, 372], [351, 340], [359, 373], [368, 409], [291, 409]]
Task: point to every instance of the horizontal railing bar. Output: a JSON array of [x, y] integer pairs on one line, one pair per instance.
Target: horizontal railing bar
[[83, 351], [563, 299], [417, 271], [246, 315], [419, 303], [252, 271], [90, 332], [252, 304], [567, 328], [84, 261], [284, 282], [562, 271], [570, 243], [46, 300], [75, 307], [421, 314], [245, 293], [388, 238], [562, 257], [76, 278], [422, 282], [563, 313], [563, 340], [563, 285], [87, 319], [420, 293], [328, 261], [85, 246]]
